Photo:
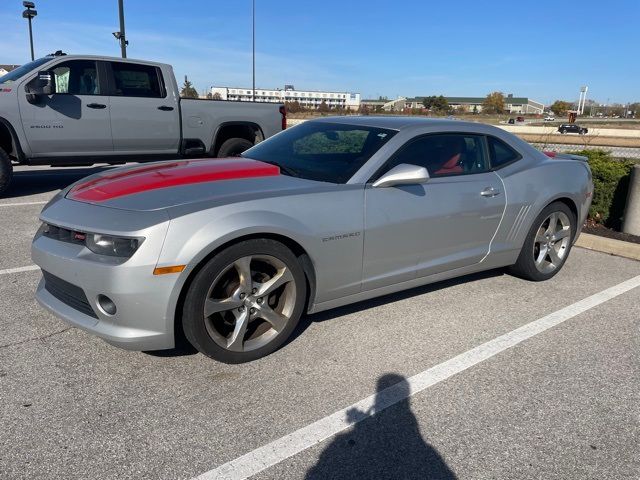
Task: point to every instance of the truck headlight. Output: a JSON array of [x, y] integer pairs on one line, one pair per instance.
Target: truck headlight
[[113, 246]]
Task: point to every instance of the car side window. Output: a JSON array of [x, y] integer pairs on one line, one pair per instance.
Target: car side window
[[443, 154], [134, 80], [77, 77], [501, 153]]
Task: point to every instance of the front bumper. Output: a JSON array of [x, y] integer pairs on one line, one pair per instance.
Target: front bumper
[[76, 277]]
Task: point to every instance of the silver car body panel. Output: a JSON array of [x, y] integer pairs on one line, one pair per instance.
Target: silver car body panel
[[361, 241]]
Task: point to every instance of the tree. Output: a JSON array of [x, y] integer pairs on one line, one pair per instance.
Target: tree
[[560, 107], [216, 96], [475, 109], [494, 103], [187, 89], [323, 107], [293, 107], [435, 104]]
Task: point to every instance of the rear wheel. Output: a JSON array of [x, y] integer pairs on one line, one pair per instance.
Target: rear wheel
[[6, 171], [245, 302], [548, 243], [233, 147]]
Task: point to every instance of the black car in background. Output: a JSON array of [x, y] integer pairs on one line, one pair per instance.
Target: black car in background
[[572, 128]]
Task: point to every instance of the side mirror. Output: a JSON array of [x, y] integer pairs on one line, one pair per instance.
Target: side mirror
[[43, 84], [403, 174]]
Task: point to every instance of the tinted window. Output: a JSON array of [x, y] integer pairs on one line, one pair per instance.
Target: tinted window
[[501, 153], [328, 152], [133, 80], [76, 77], [449, 154]]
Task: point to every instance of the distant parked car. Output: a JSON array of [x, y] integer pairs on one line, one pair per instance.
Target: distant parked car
[[549, 118], [512, 121], [520, 119], [572, 128]]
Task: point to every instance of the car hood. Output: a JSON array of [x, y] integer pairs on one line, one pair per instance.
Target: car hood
[[164, 185]]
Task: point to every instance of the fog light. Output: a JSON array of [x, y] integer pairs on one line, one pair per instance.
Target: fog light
[[107, 305]]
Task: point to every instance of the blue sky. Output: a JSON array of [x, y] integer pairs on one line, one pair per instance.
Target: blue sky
[[541, 49]]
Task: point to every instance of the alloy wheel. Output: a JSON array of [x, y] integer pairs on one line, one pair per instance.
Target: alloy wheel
[[552, 242], [249, 303]]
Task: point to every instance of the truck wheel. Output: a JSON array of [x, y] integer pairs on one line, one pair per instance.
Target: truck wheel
[[234, 147], [6, 171]]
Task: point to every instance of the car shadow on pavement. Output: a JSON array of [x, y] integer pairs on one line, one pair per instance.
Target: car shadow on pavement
[[386, 445], [307, 320], [26, 182]]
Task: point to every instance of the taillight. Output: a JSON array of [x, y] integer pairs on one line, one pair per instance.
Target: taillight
[[283, 113], [551, 154]]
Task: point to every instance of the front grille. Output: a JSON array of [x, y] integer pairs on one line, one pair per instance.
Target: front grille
[[68, 294], [63, 234]]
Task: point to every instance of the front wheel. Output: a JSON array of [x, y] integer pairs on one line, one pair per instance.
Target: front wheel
[[245, 302], [547, 244], [6, 171]]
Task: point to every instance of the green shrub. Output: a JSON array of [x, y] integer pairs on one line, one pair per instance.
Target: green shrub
[[611, 182]]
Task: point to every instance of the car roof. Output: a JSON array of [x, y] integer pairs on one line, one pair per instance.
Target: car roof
[[395, 122]]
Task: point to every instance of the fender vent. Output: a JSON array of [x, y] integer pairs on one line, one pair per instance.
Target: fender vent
[[518, 222]]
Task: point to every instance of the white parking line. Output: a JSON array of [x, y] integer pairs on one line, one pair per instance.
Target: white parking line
[[294, 443], [28, 268], [21, 204]]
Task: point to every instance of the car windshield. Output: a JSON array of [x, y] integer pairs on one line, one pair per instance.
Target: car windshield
[[14, 75], [327, 152]]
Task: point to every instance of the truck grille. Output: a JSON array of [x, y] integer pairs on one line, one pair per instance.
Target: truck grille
[[68, 294]]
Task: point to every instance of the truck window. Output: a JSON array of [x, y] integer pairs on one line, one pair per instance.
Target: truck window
[[77, 77], [132, 80]]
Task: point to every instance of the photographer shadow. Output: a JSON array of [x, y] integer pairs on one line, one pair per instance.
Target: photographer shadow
[[384, 443]]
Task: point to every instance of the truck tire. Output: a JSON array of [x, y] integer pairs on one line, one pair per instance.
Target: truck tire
[[233, 147], [6, 171]]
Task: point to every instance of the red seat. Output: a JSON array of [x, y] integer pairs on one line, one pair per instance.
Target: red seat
[[451, 166]]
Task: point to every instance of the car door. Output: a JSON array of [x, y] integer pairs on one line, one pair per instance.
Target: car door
[[145, 117], [446, 223], [74, 121]]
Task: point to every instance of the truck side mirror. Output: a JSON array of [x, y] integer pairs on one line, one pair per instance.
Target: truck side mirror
[[43, 84]]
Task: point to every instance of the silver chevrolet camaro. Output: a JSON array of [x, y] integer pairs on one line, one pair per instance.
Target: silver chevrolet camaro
[[228, 253]]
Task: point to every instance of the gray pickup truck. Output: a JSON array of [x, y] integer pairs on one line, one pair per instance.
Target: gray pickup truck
[[67, 110]]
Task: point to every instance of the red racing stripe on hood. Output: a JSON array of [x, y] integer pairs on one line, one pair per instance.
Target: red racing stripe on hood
[[170, 174]]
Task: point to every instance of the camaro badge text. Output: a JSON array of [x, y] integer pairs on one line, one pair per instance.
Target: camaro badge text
[[342, 236]]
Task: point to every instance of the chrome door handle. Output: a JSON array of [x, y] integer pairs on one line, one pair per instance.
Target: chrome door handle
[[489, 192]]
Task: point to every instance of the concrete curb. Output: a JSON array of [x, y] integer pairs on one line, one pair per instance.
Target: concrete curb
[[609, 245]]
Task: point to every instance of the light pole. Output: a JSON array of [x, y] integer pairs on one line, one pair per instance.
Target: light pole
[[30, 13], [253, 4], [120, 35]]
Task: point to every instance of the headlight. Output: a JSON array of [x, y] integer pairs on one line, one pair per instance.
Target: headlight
[[123, 247], [113, 246]]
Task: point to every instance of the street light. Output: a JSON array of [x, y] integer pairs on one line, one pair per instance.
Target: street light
[[30, 13], [120, 35]]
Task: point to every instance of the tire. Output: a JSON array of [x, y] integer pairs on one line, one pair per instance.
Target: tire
[[6, 171], [562, 132], [235, 330], [233, 147], [546, 249]]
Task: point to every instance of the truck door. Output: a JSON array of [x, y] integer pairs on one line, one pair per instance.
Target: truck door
[[74, 121], [145, 117]]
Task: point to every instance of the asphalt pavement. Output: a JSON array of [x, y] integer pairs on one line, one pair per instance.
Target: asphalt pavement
[[561, 403]]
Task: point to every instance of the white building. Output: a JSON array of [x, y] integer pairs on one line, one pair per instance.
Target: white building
[[4, 69], [306, 98]]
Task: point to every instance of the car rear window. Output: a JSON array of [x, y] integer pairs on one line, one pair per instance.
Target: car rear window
[[328, 152]]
